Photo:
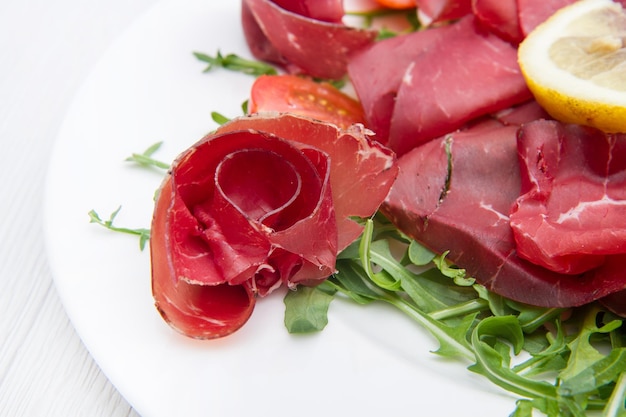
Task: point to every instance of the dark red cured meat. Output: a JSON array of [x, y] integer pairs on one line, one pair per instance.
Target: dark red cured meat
[[199, 311], [376, 73], [435, 11], [441, 90], [499, 17], [534, 12], [250, 207], [513, 20], [301, 44], [523, 113], [260, 46], [236, 206], [325, 10], [470, 217], [362, 171], [572, 211], [416, 87], [616, 302]]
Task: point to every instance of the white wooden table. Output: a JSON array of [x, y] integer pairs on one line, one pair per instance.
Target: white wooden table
[[47, 49]]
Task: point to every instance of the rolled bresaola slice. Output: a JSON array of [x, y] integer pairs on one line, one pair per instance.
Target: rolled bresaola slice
[[264, 201]]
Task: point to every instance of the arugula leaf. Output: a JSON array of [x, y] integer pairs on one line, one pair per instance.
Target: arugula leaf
[[458, 275], [144, 234], [220, 119], [384, 278], [496, 303], [599, 373], [583, 354], [531, 318], [234, 62], [615, 405], [145, 158], [306, 309], [352, 281], [420, 255], [551, 354], [493, 363]]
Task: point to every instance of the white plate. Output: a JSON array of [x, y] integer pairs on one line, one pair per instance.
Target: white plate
[[147, 88]]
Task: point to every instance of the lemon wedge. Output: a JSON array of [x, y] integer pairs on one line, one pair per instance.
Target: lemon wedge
[[575, 64]]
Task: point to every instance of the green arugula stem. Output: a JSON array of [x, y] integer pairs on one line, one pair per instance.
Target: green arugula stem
[[491, 364], [234, 62], [147, 161], [615, 405], [462, 309], [548, 315], [145, 158], [144, 234], [529, 365], [431, 325]]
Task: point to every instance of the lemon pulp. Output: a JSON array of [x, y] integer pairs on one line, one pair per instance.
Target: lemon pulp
[[575, 64]]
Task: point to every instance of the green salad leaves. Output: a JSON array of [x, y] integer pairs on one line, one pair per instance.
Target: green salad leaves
[[561, 362]]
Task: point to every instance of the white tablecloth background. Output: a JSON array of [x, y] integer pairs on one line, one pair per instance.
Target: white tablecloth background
[[47, 50]]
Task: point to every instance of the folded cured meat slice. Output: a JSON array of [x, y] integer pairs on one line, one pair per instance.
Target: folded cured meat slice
[[499, 17], [534, 12], [441, 90], [376, 74], [435, 11], [324, 10], [523, 113], [572, 211], [513, 20], [454, 74], [455, 193], [316, 43]]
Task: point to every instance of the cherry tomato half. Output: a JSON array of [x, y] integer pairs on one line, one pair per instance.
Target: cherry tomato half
[[303, 96], [397, 4]]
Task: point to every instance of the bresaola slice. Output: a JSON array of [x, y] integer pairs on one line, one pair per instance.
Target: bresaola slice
[[456, 73], [455, 193], [325, 10], [534, 12], [315, 43], [513, 20], [499, 17], [572, 211], [441, 92], [252, 207], [193, 309], [436, 11], [377, 72]]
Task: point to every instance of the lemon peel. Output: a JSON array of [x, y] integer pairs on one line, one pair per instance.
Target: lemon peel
[[574, 63]]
